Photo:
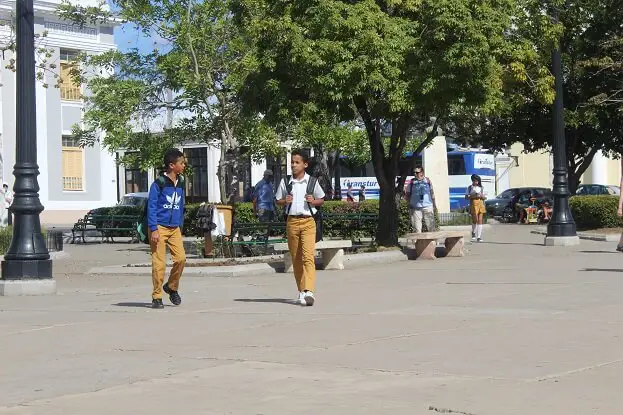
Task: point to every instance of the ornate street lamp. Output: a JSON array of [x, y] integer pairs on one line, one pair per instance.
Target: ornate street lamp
[[561, 227], [27, 268]]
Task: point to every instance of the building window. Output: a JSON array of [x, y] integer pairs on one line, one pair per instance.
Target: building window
[[73, 164], [135, 180], [70, 91], [197, 185]]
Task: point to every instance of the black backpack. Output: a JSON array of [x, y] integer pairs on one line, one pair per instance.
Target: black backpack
[[311, 185], [205, 218], [142, 229]]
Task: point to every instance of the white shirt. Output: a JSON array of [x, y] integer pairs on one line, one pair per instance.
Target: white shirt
[[299, 187]]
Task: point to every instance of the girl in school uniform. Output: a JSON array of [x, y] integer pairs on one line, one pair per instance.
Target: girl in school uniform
[[477, 209]]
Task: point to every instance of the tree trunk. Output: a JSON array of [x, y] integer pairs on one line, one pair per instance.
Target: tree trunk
[[386, 168], [334, 172], [322, 169], [389, 215], [222, 173]]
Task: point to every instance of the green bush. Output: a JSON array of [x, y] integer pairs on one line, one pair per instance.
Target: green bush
[[6, 234], [243, 213], [593, 212]]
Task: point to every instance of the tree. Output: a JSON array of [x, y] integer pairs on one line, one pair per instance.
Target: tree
[[193, 79], [330, 140], [591, 39], [388, 63]]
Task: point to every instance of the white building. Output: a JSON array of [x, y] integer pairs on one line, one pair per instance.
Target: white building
[[72, 179]]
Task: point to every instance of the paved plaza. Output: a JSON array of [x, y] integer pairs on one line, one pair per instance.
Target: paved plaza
[[512, 328]]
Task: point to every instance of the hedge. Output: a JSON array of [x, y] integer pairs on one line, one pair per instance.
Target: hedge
[[6, 236], [244, 214], [594, 212]]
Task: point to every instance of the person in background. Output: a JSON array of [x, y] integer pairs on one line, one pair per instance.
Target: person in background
[[350, 196], [264, 198], [362, 193], [421, 197], [8, 201], [475, 194]]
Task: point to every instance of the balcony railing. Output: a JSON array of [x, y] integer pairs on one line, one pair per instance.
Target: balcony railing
[[71, 93]]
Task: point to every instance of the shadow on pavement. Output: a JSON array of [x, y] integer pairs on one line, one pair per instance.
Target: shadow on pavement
[[134, 304], [599, 252], [601, 270], [509, 243], [266, 300]]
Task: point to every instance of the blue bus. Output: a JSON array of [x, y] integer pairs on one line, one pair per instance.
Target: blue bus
[[461, 165]]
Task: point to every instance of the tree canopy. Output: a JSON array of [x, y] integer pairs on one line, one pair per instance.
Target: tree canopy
[[385, 63]]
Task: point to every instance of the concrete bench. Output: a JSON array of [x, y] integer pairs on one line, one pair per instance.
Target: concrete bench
[[426, 243], [332, 253]]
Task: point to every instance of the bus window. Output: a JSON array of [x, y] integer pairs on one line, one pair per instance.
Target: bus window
[[456, 165]]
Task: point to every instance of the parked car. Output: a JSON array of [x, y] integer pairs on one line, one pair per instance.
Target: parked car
[[129, 204], [597, 189], [507, 205]]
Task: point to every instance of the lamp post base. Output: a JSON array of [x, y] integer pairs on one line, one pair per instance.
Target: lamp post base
[[562, 240], [33, 269], [14, 288]]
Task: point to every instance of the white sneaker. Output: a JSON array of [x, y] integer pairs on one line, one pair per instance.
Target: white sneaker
[[301, 299], [308, 298]]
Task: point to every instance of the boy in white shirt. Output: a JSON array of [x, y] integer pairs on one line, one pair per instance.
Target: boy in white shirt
[[300, 209]]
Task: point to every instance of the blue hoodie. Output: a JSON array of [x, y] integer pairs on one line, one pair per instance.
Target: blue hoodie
[[165, 206]]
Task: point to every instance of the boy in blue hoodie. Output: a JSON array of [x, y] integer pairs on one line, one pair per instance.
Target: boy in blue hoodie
[[165, 217]]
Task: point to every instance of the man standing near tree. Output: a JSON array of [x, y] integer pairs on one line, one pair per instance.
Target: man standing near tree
[[421, 199], [264, 198]]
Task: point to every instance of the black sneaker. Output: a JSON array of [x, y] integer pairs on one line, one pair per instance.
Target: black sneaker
[[173, 295], [157, 303]]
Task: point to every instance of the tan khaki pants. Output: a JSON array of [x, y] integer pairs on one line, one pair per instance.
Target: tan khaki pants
[[302, 245], [171, 237], [418, 215]]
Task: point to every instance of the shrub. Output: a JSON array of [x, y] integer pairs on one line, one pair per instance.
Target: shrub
[[6, 234], [243, 213], [593, 212]]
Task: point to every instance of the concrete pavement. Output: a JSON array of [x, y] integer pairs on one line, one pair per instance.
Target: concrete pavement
[[512, 328]]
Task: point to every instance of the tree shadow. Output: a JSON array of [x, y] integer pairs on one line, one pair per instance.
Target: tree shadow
[[601, 270], [267, 300], [134, 304], [510, 243]]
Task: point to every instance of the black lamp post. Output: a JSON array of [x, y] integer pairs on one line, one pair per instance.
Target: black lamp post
[[561, 223], [27, 258]]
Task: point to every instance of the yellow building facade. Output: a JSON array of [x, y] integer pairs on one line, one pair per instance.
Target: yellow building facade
[[519, 169]]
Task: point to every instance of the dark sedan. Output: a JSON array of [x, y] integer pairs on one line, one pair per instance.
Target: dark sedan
[[507, 204]]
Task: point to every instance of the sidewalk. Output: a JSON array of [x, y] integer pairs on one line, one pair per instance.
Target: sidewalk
[[512, 328]]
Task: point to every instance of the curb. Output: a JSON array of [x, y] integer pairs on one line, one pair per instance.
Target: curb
[[248, 270], [586, 236]]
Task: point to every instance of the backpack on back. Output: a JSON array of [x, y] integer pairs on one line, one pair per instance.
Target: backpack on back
[[142, 228]]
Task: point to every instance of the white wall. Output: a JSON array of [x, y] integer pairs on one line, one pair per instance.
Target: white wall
[[435, 163]]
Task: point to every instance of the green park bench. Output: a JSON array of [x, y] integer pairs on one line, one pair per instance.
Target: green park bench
[[109, 227]]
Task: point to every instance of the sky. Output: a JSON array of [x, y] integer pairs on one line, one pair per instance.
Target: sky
[[127, 37]]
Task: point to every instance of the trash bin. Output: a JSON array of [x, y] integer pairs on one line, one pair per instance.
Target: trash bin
[[228, 215]]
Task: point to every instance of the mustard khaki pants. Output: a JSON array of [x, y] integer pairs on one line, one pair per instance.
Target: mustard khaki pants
[[171, 237], [302, 245]]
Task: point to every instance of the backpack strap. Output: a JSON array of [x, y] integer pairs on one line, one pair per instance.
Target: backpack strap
[[288, 185], [311, 186]]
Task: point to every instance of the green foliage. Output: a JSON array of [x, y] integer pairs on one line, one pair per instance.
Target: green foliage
[[594, 212], [590, 39], [243, 213], [396, 64], [6, 234]]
